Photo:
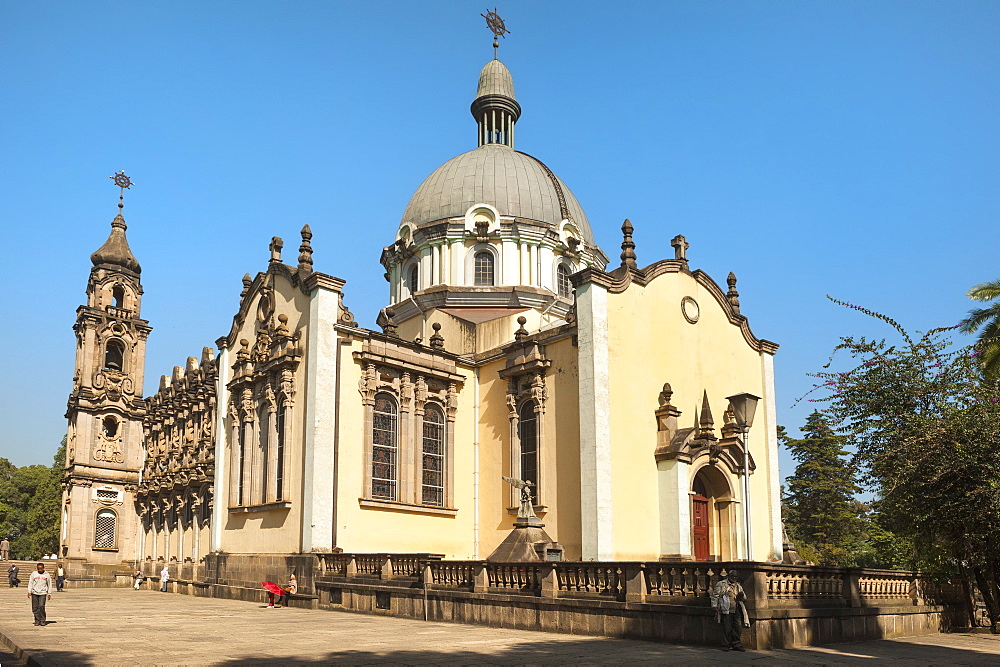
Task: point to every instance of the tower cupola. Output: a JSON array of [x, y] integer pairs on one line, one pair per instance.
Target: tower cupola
[[115, 251], [495, 108]]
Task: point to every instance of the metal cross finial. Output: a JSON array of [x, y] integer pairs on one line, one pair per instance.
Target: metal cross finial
[[123, 182], [497, 27]]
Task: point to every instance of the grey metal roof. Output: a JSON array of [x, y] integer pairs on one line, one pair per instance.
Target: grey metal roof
[[495, 79], [515, 183]]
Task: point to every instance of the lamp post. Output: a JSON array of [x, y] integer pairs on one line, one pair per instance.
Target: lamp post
[[744, 406]]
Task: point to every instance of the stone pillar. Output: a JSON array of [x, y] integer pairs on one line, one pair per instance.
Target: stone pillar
[[550, 581], [635, 582], [851, 591], [595, 423], [755, 586], [480, 581]]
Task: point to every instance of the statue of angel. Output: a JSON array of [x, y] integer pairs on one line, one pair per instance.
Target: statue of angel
[[526, 510]]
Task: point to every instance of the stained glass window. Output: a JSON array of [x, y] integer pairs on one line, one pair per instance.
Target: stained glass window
[[433, 458], [564, 286], [384, 447], [528, 435], [484, 268]]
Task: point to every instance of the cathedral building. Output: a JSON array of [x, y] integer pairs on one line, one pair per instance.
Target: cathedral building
[[510, 346]]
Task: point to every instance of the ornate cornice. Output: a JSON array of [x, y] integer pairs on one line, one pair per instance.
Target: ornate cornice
[[621, 278]]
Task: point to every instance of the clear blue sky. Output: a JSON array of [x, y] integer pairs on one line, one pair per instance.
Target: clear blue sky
[[844, 148]]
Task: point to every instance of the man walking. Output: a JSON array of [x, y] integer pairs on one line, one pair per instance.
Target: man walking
[[4, 549], [727, 601], [39, 590]]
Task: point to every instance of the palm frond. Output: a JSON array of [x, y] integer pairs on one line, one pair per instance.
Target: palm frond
[[978, 317], [987, 291]]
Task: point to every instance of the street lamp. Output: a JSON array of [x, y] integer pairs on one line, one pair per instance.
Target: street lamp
[[744, 406]]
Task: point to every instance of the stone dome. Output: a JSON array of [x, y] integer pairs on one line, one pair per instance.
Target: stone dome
[[516, 183]]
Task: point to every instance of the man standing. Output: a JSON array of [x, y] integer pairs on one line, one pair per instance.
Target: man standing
[[164, 578], [4, 549], [39, 590], [727, 601]]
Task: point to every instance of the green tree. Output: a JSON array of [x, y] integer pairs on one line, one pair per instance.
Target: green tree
[[926, 426], [987, 322], [29, 505], [821, 514]]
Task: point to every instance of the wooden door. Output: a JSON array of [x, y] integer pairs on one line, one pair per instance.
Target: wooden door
[[699, 525]]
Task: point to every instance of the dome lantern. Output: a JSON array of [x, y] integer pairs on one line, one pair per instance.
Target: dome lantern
[[495, 108]]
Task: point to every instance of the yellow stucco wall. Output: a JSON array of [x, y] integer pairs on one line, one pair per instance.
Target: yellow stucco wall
[[650, 343]]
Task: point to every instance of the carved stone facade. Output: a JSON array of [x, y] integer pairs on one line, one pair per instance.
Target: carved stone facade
[[175, 494], [262, 409]]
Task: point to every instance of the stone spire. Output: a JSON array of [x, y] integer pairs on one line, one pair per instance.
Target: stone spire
[[706, 424], [306, 251], [628, 246], [732, 295]]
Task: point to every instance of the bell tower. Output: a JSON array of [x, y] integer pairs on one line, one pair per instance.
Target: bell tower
[[104, 441]]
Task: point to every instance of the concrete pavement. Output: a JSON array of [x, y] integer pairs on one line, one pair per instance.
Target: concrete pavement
[[119, 626]]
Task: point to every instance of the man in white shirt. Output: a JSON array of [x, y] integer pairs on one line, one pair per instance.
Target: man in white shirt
[[39, 590], [730, 611]]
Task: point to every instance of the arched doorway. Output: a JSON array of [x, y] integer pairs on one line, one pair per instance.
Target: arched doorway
[[712, 536]]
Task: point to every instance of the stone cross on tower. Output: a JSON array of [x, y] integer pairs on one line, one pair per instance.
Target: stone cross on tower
[[680, 245]]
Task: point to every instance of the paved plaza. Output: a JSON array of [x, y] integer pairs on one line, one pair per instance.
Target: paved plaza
[[109, 626]]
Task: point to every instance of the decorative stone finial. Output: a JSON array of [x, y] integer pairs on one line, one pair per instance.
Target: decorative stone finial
[[385, 321], [730, 429], [243, 354], [306, 251], [282, 328], [247, 281], [666, 395], [276, 245], [732, 295], [628, 247], [521, 332], [680, 245], [437, 340], [706, 423]]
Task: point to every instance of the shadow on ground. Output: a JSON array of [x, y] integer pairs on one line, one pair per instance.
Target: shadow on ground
[[880, 652]]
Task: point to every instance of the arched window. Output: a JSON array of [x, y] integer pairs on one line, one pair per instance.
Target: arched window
[[413, 280], [263, 435], [106, 529], [483, 275], [279, 472], [385, 447], [563, 285], [432, 460], [118, 296], [114, 355], [241, 460], [527, 431]]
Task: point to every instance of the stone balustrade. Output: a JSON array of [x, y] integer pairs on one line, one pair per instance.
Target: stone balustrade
[[666, 582]]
